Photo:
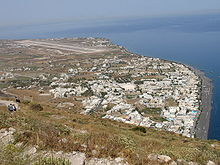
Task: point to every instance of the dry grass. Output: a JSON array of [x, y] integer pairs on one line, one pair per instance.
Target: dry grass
[[53, 129]]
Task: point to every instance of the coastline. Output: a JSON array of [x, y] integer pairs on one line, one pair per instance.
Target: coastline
[[202, 122], [201, 128]]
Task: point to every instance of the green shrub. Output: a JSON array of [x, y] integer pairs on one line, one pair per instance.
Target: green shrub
[[139, 82], [21, 82], [139, 128], [103, 94], [151, 110], [88, 93], [52, 161], [130, 96], [11, 155], [63, 130], [158, 118], [26, 102], [36, 107]]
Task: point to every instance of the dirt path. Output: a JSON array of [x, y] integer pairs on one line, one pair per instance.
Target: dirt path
[[6, 103]]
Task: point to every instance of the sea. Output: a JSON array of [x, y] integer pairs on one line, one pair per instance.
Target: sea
[[190, 39]]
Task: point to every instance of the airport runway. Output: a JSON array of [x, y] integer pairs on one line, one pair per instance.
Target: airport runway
[[74, 48]]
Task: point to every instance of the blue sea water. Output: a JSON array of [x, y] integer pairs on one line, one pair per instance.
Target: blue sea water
[[191, 39]]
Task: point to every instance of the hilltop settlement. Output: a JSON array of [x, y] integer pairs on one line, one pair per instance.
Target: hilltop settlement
[[92, 76]]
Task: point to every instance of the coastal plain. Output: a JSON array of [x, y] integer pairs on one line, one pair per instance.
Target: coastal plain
[[92, 80]]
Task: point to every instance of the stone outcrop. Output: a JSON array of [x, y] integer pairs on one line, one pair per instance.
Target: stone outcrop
[[163, 159], [79, 158], [211, 163], [159, 158], [96, 161], [6, 136]]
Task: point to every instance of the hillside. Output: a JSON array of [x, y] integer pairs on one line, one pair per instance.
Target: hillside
[[63, 130]]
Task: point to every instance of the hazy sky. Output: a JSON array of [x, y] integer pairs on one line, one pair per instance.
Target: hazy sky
[[16, 12]]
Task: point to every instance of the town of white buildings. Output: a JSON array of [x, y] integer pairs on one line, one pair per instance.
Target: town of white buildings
[[143, 91], [129, 88]]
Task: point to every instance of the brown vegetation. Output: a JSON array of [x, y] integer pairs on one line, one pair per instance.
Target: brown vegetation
[[53, 129]]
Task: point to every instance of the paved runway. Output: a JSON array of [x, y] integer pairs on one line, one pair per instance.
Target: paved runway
[[74, 48]]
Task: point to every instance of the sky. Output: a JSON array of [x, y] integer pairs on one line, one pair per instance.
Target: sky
[[20, 12]]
